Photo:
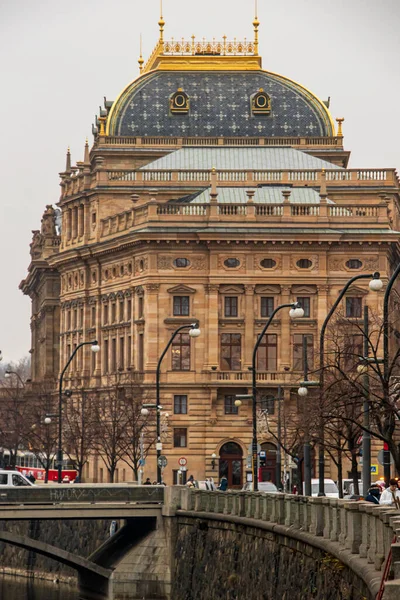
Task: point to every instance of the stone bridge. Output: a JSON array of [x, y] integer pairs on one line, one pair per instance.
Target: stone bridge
[[183, 544]]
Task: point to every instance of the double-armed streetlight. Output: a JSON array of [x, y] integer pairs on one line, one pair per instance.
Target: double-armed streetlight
[[375, 285], [8, 374], [194, 332], [95, 348], [295, 312]]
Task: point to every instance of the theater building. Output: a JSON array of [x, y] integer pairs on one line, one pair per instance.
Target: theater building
[[214, 191]]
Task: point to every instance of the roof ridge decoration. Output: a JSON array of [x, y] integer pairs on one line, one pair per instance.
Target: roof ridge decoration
[[174, 50]]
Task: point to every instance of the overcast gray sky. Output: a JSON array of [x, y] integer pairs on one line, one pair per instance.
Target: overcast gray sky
[[59, 58]]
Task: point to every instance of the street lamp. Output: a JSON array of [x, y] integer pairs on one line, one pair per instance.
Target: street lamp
[[95, 348], [213, 457], [194, 332], [375, 285], [8, 374], [295, 312]]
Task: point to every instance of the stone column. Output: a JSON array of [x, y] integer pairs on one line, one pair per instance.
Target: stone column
[[249, 314], [151, 341]]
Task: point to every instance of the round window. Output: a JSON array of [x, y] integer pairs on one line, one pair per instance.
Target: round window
[[354, 263], [304, 263], [261, 101], [231, 263], [181, 263], [268, 263], [180, 100]]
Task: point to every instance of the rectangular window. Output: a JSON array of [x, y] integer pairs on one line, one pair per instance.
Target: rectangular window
[[121, 311], [129, 316], [305, 303], [298, 358], [180, 405], [81, 318], [122, 353], [105, 314], [181, 352], [353, 350], [180, 437], [129, 349], [231, 350], [113, 355], [113, 312], [140, 352], [268, 403], [353, 307], [267, 306], [105, 357], [68, 320], [140, 307], [181, 306], [267, 353], [94, 355], [231, 306], [229, 405], [93, 317], [75, 318]]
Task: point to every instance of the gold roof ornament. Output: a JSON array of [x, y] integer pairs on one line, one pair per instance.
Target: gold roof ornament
[[339, 131], [161, 24], [140, 60], [256, 24], [68, 161]]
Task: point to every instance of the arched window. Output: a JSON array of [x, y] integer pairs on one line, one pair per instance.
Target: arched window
[[179, 102], [268, 462], [261, 103]]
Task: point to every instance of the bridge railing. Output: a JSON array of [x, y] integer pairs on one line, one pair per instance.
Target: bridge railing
[[54, 494], [360, 527]]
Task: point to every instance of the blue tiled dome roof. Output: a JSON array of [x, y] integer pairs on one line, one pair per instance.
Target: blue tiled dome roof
[[220, 105]]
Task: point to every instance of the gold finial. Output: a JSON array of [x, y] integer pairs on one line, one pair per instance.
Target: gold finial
[[86, 159], [256, 24], [140, 60], [339, 122], [102, 121], [161, 24]]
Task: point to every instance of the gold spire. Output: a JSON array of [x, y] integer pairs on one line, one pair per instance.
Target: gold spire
[[103, 121], [140, 61], [339, 131], [161, 24], [256, 24]]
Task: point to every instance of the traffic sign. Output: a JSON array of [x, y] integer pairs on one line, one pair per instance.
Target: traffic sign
[[182, 461], [380, 458], [162, 461], [374, 469]]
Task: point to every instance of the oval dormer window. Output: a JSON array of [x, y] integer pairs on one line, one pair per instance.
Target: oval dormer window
[[261, 103], [181, 263], [232, 263], [179, 102], [304, 263], [268, 263], [354, 263]]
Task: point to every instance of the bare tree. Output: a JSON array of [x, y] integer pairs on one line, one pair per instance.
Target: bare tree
[[80, 429], [41, 438]]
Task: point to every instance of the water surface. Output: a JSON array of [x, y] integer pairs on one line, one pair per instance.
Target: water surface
[[19, 588]]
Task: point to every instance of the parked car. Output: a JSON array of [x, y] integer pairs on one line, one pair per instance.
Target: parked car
[[330, 488], [13, 479], [263, 486]]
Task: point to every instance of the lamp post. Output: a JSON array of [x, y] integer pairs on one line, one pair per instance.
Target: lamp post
[[194, 332], [386, 451], [375, 285], [95, 348], [295, 312], [8, 373]]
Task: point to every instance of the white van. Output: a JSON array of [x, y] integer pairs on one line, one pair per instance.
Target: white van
[[330, 488], [13, 479]]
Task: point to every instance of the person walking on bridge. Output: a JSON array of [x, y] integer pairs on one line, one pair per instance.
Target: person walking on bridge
[[391, 496]]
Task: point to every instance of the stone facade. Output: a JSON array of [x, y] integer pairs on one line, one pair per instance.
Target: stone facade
[[138, 256]]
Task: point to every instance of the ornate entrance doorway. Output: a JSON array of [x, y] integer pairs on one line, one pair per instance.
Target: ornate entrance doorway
[[230, 464], [268, 463]]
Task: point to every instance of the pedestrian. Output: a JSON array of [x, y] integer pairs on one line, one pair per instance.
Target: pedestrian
[[31, 478], [391, 496], [373, 495], [148, 481], [223, 484], [190, 482]]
